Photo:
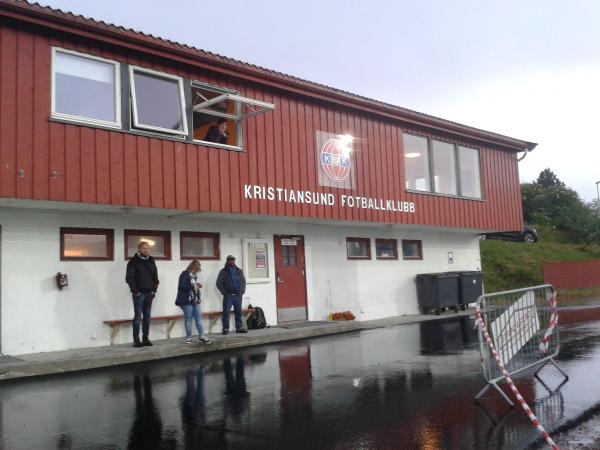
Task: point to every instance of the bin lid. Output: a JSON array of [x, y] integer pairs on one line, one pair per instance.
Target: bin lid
[[439, 275], [467, 272]]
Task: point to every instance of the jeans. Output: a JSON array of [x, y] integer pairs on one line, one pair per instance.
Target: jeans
[[142, 305], [234, 300], [192, 312]]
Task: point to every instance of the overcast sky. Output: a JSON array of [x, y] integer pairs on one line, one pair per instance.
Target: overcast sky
[[527, 69]]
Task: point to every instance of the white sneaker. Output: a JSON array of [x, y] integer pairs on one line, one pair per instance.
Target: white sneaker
[[204, 339], [188, 340]]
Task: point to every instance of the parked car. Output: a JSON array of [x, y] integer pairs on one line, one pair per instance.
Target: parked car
[[528, 234]]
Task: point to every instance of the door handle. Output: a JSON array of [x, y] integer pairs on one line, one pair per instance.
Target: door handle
[[279, 280]]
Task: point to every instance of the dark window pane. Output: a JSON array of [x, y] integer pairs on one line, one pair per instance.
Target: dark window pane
[[158, 101], [357, 249], [84, 87], [284, 255], [291, 255], [411, 249], [385, 248]]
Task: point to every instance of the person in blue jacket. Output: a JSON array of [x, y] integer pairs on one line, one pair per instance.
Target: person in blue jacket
[[232, 284], [188, 299]]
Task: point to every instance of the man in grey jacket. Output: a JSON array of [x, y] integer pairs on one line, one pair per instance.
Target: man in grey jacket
[[232, 284]]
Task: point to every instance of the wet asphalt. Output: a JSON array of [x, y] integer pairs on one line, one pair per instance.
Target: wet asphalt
[[401, 387]]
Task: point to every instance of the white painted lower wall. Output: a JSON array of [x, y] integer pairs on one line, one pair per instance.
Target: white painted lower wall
[[37, 317]]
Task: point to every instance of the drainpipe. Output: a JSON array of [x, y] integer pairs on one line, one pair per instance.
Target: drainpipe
[[524, 155], [598, 198]]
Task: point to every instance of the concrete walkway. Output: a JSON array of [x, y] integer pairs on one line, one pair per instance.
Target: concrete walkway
[[36, 364]]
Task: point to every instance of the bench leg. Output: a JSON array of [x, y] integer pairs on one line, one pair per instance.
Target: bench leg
[[212, 322], [170, 325], [114, 330]]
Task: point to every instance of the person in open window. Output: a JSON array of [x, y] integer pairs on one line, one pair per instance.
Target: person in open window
[[218, 133]]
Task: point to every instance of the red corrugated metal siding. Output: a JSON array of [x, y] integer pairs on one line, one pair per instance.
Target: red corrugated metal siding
[[81, 164], [572, 275]]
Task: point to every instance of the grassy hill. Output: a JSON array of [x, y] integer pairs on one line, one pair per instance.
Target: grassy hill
[[512, 265]]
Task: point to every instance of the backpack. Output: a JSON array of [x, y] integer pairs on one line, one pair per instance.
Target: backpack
[[257, 320]]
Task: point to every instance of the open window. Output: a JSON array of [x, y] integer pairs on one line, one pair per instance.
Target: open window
[[157, 101], [219, 113]]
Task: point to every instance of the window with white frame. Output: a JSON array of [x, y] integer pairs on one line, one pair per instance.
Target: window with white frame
[[444, 168], [454, 169], [416, 163], [218, 114], [157, 101], [85, 88], [470, 179]]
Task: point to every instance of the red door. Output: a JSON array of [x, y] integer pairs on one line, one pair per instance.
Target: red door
[[290, 277]]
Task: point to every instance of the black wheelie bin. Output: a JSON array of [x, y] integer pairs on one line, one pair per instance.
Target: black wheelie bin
[[470, 287], [437, 292]]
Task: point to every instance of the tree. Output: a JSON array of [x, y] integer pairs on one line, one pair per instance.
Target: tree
[[548, 179], [548, 201]]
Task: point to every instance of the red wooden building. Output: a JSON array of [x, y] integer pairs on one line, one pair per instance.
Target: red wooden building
[[330, 200]]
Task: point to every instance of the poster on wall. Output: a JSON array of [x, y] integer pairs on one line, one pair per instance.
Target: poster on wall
[[260, 259], [256, 260]]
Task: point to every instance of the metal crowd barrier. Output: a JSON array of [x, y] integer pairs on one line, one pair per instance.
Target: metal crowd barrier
[[508, 431], [523, 326]]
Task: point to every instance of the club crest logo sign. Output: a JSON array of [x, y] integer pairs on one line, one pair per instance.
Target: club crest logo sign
[[334, 160]]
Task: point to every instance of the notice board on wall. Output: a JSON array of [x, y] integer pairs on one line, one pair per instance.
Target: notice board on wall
[[256, 260]]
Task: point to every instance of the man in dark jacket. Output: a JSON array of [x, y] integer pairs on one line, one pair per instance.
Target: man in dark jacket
[[142, 278], [232, 284]]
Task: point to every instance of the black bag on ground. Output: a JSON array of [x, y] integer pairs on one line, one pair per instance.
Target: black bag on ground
[[257, 320]]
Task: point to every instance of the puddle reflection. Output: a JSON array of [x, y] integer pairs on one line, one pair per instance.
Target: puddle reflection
[[408, 386]]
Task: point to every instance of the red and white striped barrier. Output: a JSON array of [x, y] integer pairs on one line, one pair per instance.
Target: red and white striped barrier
[[524, 405], [551, 324]]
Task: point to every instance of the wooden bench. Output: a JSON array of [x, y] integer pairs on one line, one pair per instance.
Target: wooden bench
[[213, 317]]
